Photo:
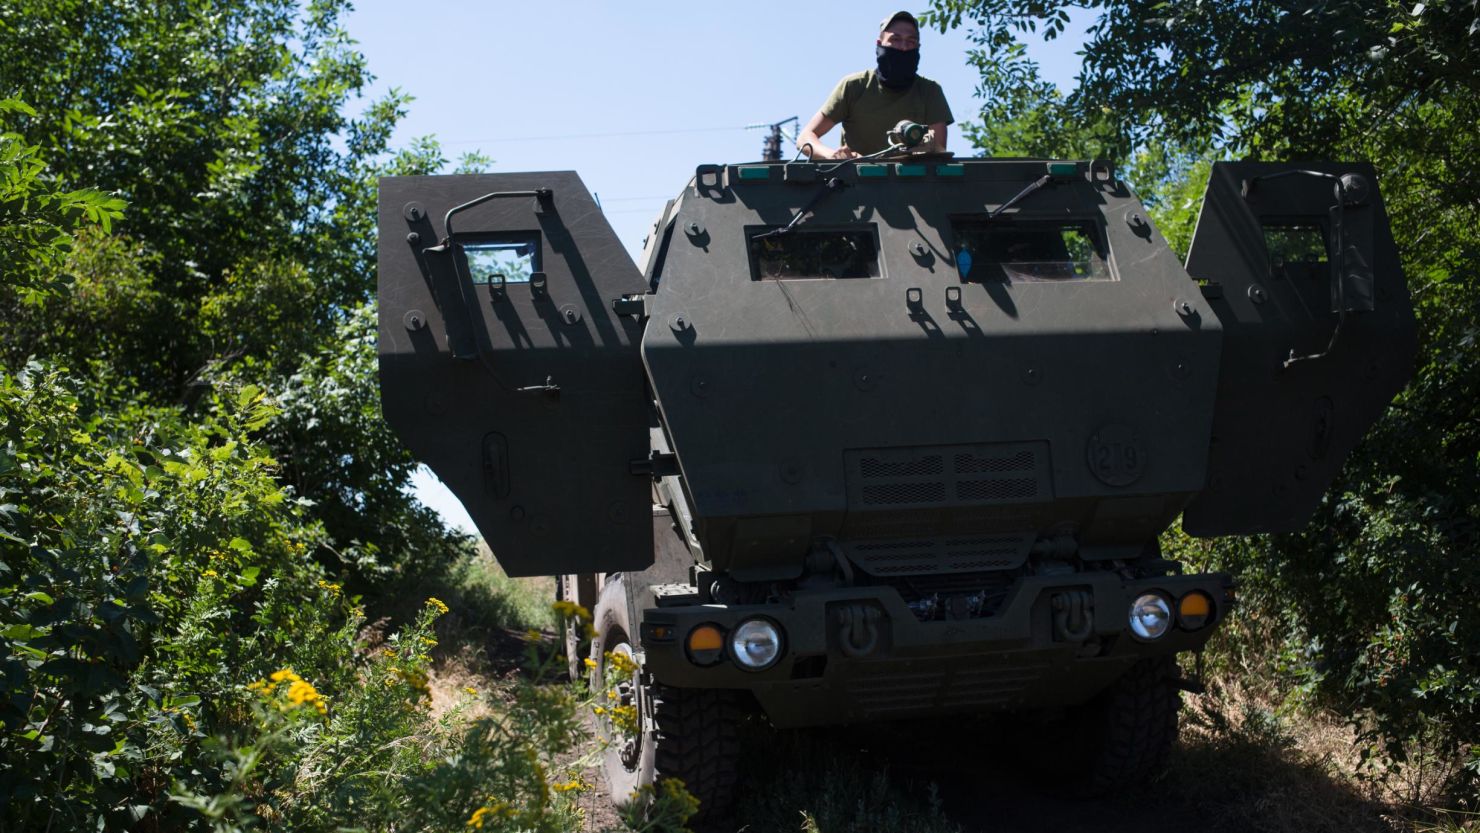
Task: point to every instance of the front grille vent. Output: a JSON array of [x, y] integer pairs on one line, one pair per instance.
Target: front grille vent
[[894, 493], [930, 464], [896, 688], [1021, 461], [991, 491], [918, 556]]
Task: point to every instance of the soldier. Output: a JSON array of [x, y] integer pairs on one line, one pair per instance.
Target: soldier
[[871, 102]]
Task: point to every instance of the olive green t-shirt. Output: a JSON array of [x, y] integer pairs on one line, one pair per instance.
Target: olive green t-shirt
[[868, 109]]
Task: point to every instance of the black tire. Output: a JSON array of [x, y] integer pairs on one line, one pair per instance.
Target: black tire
[[1133, 724], [693, 735], [697, 743]]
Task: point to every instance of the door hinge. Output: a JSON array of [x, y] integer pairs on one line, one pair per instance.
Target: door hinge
[[635, 306], [656, 465]]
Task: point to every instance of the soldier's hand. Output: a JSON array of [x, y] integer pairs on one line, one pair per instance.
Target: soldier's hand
[[845, 153]]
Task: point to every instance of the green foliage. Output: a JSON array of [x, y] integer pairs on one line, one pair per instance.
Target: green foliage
[[246, 256], [357, 477], [372, 757], [498, 600], [136, 547], [200, 444], [222, 123], [36, 216], [172, 657]]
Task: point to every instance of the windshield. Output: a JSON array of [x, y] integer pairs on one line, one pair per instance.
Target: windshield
[[1019, 252], [813, 254]]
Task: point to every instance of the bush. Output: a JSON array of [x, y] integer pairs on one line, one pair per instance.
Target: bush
[[174, 658]]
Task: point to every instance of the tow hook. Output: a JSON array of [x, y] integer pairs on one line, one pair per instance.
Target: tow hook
[[1073, 618], [858, 629]]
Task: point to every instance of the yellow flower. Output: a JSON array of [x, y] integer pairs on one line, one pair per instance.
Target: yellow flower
[[625, 719], [417, 680], [571, 610], [570, 786], [285, 674], [300, 693], [481, 814], [388, 652], [328, 585], [437, 604], [210, 574], [589, 663], [470, 690], [621, 663], [532, 635], [598, 710], [428, 642]]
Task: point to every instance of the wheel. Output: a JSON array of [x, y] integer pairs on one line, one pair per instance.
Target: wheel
[[1133, 725], [688, 734]]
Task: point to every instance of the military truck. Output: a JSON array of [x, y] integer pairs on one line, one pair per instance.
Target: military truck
[[888, 438]]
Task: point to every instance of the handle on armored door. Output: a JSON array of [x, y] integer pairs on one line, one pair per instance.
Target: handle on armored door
[[544, 202]]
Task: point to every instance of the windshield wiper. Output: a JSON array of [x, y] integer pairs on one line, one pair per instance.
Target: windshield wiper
[[1033, 186], [832, 185]]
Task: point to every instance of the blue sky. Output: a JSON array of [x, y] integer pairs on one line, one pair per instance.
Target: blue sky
[[544, 85]]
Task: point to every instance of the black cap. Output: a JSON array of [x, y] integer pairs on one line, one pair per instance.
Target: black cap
[[897, 16]]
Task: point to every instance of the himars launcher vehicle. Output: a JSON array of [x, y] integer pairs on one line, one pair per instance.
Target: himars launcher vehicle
[[886, 439]]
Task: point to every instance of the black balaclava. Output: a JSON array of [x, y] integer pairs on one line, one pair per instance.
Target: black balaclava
[[897, 67]]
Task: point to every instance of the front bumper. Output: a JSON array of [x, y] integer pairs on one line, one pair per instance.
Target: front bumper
[[1018, 657]]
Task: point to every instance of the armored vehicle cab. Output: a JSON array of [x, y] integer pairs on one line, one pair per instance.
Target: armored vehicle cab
[[873, 440]]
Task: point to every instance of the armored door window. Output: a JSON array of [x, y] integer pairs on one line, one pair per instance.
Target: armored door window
[[506, 259], [1299, 256], [1297, 250], [1026, 252], [852, 253]]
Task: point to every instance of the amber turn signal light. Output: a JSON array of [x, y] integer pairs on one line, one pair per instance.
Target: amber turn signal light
[[706, 644], [1194, 610]]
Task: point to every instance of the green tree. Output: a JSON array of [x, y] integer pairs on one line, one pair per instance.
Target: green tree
[[222, 123], [37, 218], [247, 255]]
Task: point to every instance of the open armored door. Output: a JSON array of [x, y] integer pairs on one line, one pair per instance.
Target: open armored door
[[1299, 264], [504, 368]]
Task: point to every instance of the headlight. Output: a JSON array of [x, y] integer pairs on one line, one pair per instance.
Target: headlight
[[1150, 616], [756, 644]]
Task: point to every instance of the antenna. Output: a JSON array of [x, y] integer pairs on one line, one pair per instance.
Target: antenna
[[771, 144]]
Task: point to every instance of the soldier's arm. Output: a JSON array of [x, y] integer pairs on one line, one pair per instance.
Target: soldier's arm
[[938, 137], [812, 135]]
